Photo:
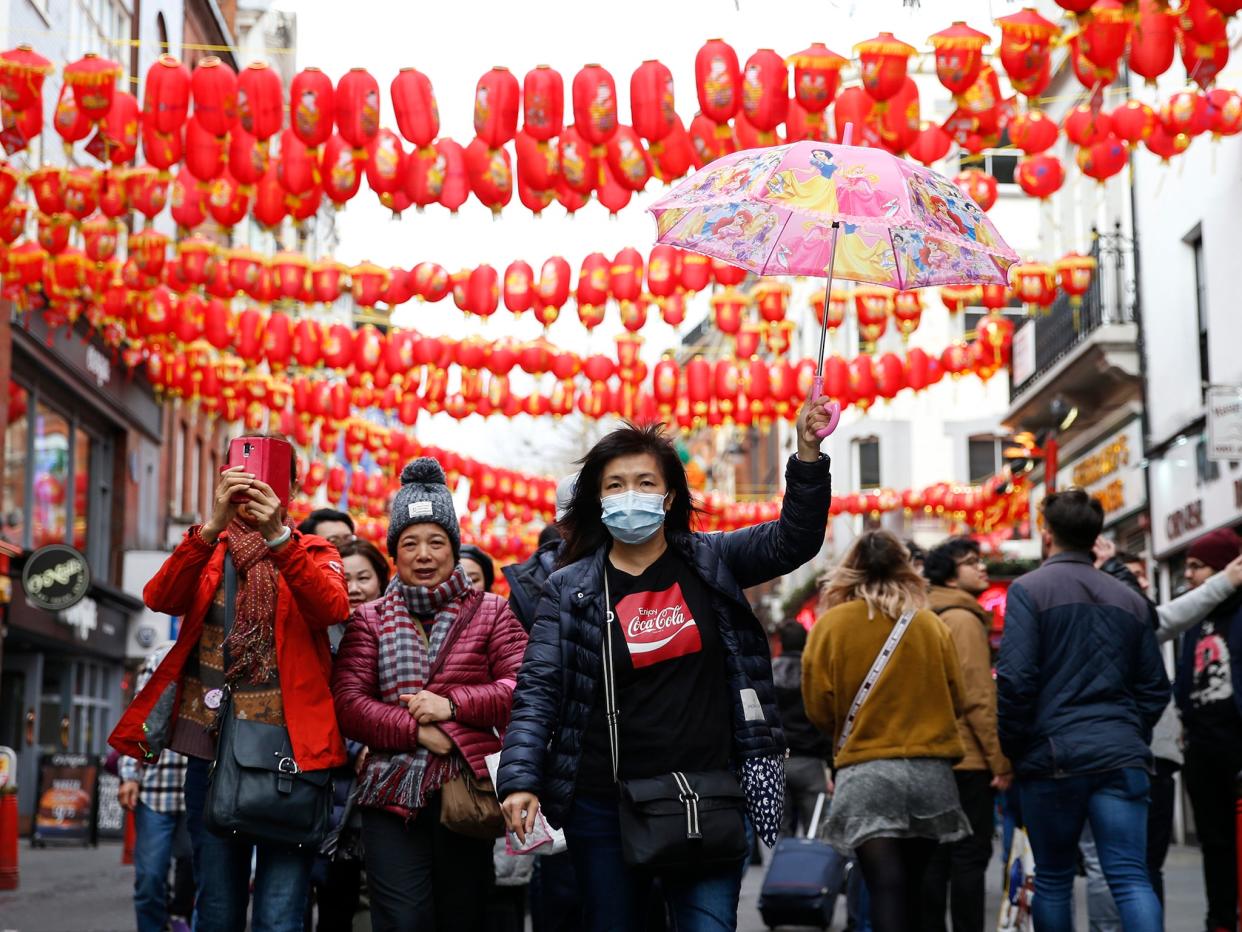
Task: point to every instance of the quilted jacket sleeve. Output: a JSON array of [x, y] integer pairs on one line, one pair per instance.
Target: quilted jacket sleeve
[[1151, 683], [537, 700], [172, 589], [360, 712], [311, 567], [488, 705], [1018, 673], [757, 554]]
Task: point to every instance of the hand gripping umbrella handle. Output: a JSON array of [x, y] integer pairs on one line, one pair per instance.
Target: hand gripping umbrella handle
[[833, 408]]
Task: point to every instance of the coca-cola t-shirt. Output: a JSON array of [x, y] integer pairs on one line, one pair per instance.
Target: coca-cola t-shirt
[[672, 687]]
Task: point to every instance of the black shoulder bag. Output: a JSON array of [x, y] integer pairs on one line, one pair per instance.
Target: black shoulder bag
[[255, 789], [676, 820]]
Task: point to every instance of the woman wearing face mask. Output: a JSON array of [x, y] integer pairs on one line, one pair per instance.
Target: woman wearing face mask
[[693, 680]]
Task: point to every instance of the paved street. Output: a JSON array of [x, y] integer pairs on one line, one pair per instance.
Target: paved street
[[88, 890]]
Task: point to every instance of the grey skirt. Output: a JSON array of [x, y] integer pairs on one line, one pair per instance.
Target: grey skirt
[[901, 798]]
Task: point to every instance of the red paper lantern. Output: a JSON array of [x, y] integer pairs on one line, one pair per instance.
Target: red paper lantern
[[490, 174], [718, 80], [204, 152], [1203, 62], [455, 184], [22, 71], [312, 107], [629, 162], [1026, 43], [1185, 112], [496, 101], [1074, 272], [882, 63], [978, 185], [930, 145], [146, 190], [214, 89], [357, 109], [340, 171], [1040, 176], [385, 163], [69, 120], [674, 154], [227, 203], [552, 291], [595, 106], [1033, 132], [189, 207], [1224, 112], [959, 56], [696, 271], [79, 192], [1104, 34], [765, 93], [414, 102], [1133, 121], [626, 275], [651, 101], [543, 103], [260, 100], [1035, 284], [1084, 125], [270, 206], [1103, 159], [519, 284], [1154, 40], [579, 168], [162, 150], [117, 139], [1089, 74], [484, 291], [93, 80], [817, 78], [247, 157]]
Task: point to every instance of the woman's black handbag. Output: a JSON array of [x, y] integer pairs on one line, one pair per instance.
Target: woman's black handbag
[[679, 819], [255, 790]]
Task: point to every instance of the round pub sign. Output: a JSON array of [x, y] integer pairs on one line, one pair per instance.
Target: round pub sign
[[56, 577]]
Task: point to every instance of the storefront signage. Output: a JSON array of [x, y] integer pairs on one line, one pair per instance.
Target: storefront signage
[[98, 365], [1190, 495], [109, 816], [1184, 521], [1224, 422], [56, 577], [1109, 472], [67, 794]]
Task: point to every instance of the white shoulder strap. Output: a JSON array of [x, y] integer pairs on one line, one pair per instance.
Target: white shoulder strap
[[611, 713], [873, 675]]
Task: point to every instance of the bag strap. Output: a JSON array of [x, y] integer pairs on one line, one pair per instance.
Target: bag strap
[[873, 675], [610, 683]]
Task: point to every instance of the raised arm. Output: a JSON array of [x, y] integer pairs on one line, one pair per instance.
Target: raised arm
[[311, 568], [1187, 610]]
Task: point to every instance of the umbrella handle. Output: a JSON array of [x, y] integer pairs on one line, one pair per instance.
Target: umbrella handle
[[833, 408]]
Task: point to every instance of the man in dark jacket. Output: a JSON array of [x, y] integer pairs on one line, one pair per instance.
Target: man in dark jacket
[[526, 579], [1080, 685], [806, 768]]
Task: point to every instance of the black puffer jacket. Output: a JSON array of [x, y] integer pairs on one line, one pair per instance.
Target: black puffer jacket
[[559, 682], [526, 581]]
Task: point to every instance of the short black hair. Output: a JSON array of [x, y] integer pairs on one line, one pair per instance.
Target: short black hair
[[917, 553], [479, 556], [549, 534], [940, 564], [1129, 556], [1073, 518], [793, 637], [320, 515]]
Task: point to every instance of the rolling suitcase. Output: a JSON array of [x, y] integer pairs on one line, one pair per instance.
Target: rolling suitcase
[[803, 880]]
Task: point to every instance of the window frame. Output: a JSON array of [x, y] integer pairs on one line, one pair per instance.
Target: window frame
[[996, 445], [859, 443]]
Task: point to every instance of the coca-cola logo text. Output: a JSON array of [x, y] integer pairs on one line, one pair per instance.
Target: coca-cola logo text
[[649, 620]]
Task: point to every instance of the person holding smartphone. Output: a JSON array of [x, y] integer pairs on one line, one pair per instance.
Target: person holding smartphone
[[274, 664]]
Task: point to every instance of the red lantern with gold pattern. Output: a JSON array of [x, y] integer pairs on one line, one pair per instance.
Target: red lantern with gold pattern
[[248, 159], [673, 309], [718, 79], [1035, 284], [93, 80], [162, 150], [1026, 43], [69, 120], [1085, 125], [696, 272], [908, 312], [930, 145], [146, 190], [270, 202], [1185, 112], [630, 163], [1204, 61], [882, 63], [214, 89], [260, 100], [978, 185], [385, 163], [543, 103], [626, 275], [519, 283], [312, 107], [765, 93], [204, 152], [595, 106], [22, 71], [663, 270], [1074, 272], [490, 174], [483, 288], [54, 232], [80, 192], [189, 207], [1224, 112], [429, 281], [496, 102], [414, 102], [1033, 132], [817, 78], [1103, 159], [772, 299], [1104, 33], [959, 56], [100, 238], [369, 281], [872, 306], [340, 170], [357, 109], [553, 290], [455, 186], [227, 202], [117, 139], [651, 101], [1133, 121]]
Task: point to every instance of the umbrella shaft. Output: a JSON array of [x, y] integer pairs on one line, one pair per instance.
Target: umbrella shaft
[[823, 330]]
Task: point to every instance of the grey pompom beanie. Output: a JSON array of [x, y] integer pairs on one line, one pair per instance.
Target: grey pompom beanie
[[423, 498]]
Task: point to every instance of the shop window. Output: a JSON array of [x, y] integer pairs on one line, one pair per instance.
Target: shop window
[[51, 477], [983, 454], [868, 463], [13, 484]]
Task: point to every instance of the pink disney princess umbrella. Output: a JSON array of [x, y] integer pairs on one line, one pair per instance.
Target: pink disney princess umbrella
[[834, 211]]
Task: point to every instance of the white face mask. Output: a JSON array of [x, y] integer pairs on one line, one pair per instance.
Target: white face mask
[[633, 517]]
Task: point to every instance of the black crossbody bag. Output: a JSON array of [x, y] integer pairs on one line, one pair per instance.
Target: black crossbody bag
[[679, 819], [255, 789]]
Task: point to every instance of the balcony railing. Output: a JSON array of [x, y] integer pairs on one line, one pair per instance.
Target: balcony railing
[[1065, 327]]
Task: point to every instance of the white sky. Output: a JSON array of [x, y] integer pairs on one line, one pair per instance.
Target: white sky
[[455, 43]]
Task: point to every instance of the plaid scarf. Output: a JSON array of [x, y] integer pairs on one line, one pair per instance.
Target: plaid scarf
[[404, 780], [252, 642]]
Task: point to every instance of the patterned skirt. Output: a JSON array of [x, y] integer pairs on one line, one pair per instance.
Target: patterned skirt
[[901, 798]]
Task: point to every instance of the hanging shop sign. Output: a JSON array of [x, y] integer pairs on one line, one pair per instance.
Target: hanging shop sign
[[1109, 472], [1191, 494], [56, 577], [1224, 422]]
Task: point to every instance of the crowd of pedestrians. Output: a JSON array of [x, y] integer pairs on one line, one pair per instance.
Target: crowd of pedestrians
[[417, 744]]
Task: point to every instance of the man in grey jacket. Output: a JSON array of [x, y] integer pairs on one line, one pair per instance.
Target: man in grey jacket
[[1175, 617]]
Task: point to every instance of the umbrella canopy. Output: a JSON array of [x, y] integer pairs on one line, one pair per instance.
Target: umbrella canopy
[[771, 211]]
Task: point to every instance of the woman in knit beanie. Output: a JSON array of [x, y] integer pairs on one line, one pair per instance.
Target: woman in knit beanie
[[424, 678]]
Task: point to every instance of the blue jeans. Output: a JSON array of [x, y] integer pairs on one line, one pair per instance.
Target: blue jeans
[[222, 866], [1114, 803], [152, 859], [617, 898]]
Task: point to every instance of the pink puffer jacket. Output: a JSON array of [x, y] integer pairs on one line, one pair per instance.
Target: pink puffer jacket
[[477, 669]]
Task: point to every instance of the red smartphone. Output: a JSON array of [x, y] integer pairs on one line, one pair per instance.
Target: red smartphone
[[268, 458]]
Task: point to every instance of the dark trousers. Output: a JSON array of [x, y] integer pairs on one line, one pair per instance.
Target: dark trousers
[[555, 898], [337, 895], [1160, 822], [956, 874], [422, 877], [1210, 774]]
